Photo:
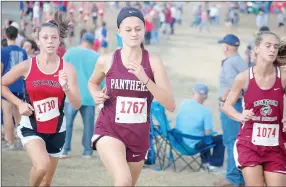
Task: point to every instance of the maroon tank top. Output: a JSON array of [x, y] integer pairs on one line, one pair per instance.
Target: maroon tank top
[[127, 112], [266, 127]]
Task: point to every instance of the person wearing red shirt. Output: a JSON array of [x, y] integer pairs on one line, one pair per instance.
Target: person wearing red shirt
[[149, 28]]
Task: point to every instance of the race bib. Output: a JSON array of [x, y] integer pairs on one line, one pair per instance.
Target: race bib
[[265, 134], [46, 109], [131, 110], [94, 14]]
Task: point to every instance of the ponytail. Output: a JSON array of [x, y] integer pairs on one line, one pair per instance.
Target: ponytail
[[63, 24]]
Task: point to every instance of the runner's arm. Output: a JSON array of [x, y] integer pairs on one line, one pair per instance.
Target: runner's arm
[[161, 89], [18, 71], [238, 86], [72, 94], [97, 76]]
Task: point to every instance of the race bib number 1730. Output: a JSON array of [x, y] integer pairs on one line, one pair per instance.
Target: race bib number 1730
[[46, 109]]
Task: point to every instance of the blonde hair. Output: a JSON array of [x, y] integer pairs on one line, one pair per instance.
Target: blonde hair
[[259, 38]]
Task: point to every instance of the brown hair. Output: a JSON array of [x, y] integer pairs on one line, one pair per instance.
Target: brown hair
[[281, 57], [60, 22], [259, 38]]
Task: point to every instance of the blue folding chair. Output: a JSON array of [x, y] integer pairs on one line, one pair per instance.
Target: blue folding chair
[[157, 150], [178, 146], [173, 139]]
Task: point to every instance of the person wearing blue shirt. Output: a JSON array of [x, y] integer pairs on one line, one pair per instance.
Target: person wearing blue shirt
[[231, 66], [119, 41], [193, 118], [83, 58], [12, 55], [104, 33]]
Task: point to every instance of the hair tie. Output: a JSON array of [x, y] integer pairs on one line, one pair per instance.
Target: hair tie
[[53, 22]]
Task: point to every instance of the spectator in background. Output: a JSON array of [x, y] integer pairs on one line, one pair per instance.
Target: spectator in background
[[230, 67], [168, 19], [11, 56], [204, 21], [63, 6], [281, 20], [214, 11], [104, 39], [30, 47], [20, 36], [149, 28], [36, 14], [179, 15], [174, 16], [71, 10], [197, 15], [155, 34], [71, 31], [119, 41], [83, 58], [94, 14], [260, 21], [266, 8], [193, 118], [22, 9]]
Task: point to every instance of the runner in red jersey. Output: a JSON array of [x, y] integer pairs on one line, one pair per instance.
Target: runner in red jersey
[[48, 80], [133, 78], [260, 149]]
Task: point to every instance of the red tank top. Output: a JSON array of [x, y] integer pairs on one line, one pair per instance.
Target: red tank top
[[266, 127], [45, 94], [130, 100]]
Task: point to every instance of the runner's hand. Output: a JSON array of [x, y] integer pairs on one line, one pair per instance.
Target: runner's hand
[[284, 125], [138, 70], [63, 78], [101, 96], [247, 115], [25, 109]]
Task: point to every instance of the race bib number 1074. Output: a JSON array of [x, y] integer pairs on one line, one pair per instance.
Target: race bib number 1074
[[265, 134]]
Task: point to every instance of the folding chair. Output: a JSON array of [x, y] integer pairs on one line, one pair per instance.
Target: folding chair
[[152, 157], [157, 152], [172, 140], [178, 146]]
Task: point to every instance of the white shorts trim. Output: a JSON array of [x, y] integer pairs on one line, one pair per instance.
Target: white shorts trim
[[146, 156], [278, 171], [235, 155], [56, 155], [25, 140]]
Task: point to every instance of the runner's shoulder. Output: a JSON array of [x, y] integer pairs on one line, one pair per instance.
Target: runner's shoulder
[[104, 61]]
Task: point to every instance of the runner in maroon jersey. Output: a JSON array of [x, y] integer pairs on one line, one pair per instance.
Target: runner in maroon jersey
[[133, 78], [48, 80], [260, 149]]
